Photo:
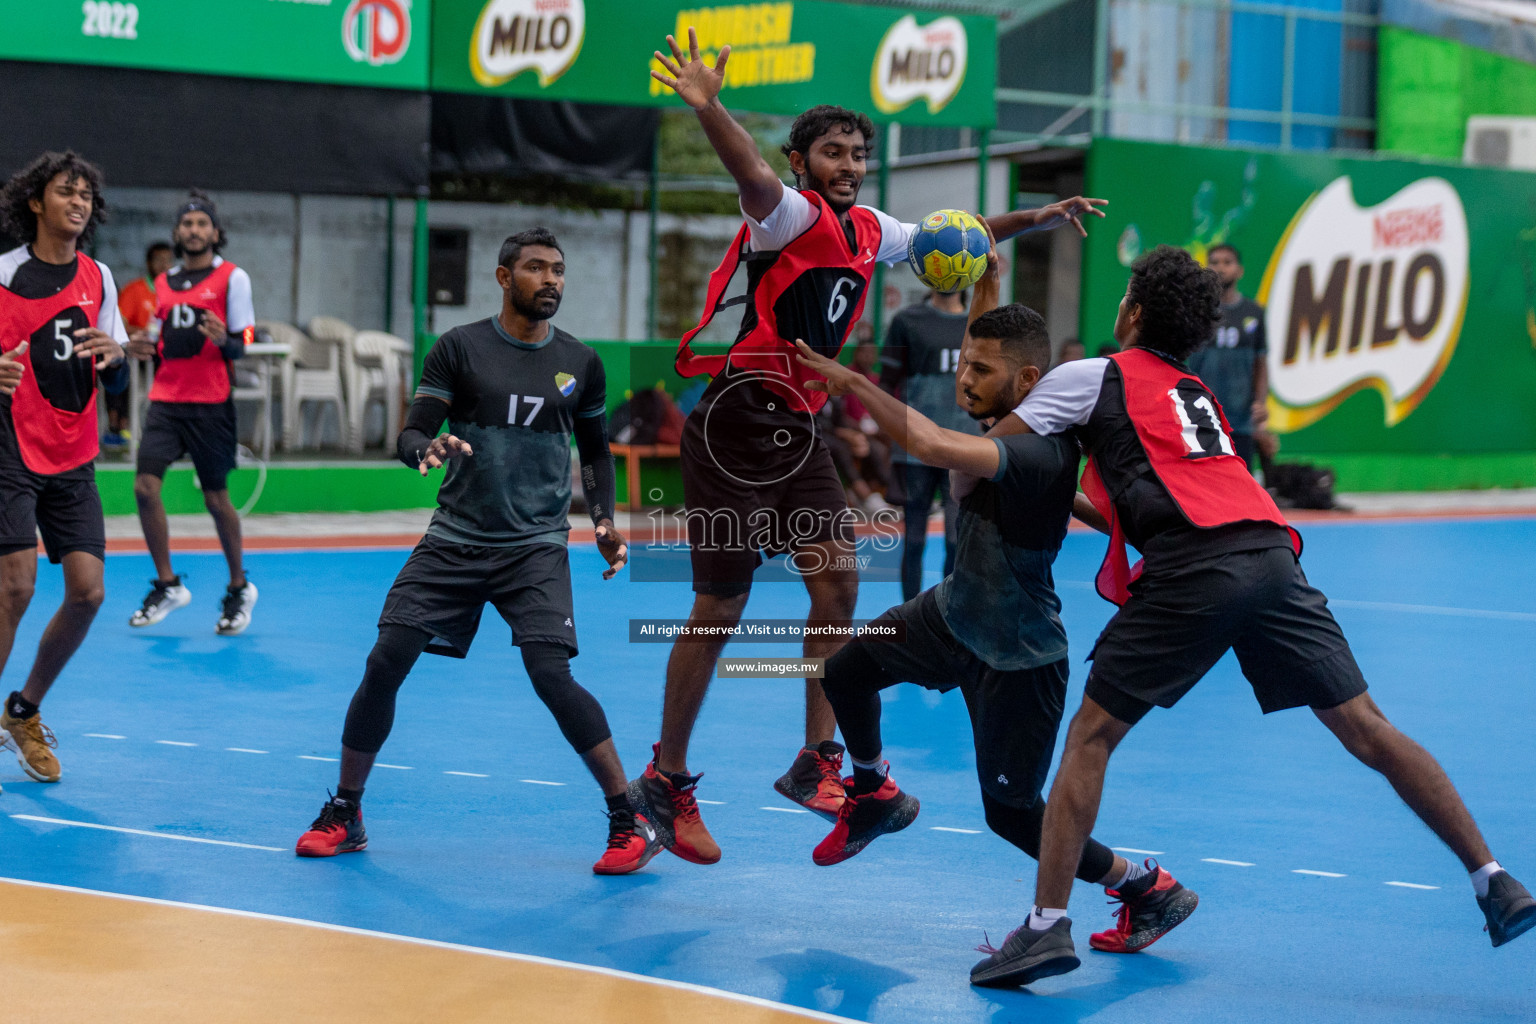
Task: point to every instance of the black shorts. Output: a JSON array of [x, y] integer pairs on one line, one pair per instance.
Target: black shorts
[[204, 431], [1179, 623], [65, 508], [1015, 714], [443, 587], [733, 524]]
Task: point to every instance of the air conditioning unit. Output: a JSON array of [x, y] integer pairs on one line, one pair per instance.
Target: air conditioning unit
[[1501, 142]]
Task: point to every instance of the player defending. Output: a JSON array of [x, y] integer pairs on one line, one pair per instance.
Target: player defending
[[61, 304], [1224, 569], [758, 480], [204, 318], [992, 627], [513, 390]]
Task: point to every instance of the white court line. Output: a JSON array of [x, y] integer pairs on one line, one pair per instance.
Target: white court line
[[469, 775], [402, 767], [1435, 609], [1132, 849], [499, 954], [246, 750], [105, 736], [1412, 885], [312, 757], [715, 803], [1319, 874], [142, 832], [962, 831], [540, 782], [785, 810], [175, 743], [1232, 863]]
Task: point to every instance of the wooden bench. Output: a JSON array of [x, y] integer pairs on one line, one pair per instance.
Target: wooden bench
[[632, 454]]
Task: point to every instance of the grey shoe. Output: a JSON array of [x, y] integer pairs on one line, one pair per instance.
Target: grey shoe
[[1028, 956], [1510, 910]]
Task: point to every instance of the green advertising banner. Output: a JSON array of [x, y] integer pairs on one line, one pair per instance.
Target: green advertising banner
[[1400, 296], [341, 42], [898, 65]]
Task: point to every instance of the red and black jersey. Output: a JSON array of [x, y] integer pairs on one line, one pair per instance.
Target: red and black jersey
[[192, 368], [813, 289], [1185, 439], [53, 411]]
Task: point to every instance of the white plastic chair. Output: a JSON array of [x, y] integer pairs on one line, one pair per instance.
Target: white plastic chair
[[311, 373], [375, 371], [337, 335]]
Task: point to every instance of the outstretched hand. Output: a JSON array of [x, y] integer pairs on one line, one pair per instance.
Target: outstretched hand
[[1069, 211], [696, 82], [12, 368], [613, 546], [441, 450], [840, 379]]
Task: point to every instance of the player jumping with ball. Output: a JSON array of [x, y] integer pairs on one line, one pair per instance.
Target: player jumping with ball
[[755, 473]]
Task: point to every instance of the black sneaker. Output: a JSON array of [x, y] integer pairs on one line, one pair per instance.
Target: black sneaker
[[339, 829], [1510, 910], [163, 598], [235, 614], [1027, 956], [814, 780]]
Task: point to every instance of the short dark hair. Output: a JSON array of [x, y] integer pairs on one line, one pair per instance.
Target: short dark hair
[[1213, 250], [819, 120], [1180, 300], [198, 201], [155, 247], [29, 183], [1020, 332], [512, 248]]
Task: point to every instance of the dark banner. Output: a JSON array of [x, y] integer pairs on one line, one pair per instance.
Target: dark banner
[[496, 135], [157, 129]]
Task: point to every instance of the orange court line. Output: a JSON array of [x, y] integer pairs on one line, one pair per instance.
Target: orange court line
[[96, 956]]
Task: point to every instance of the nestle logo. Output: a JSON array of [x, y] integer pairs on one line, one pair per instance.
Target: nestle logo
[[1398, 229]]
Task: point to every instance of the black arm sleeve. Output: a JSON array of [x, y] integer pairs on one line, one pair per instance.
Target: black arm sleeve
[[596, 466], [421, 425], [114, 379]]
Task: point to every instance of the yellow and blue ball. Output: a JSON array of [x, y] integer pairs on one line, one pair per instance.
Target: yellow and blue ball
[[948, 250]]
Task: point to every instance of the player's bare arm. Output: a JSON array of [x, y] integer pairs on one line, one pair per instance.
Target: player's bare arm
[[1054, 215], [919, 435], [11, 369], [94, 343], [698, 85]]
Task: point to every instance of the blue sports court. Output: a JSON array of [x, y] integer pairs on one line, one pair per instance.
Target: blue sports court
[[1322, 898]]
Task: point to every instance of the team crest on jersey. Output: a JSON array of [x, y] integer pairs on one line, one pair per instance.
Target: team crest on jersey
[[566, 383]]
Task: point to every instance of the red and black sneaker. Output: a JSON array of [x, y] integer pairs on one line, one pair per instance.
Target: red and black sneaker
[[1150, 907], [862, 817], [339, 829], [814, 781], [667, 802], [632, 843]]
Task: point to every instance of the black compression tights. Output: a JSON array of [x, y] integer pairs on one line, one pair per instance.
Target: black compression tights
[[372, 712], [853, 683]]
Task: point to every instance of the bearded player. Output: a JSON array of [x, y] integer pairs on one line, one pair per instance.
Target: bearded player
[[60, 334], [756, 477]]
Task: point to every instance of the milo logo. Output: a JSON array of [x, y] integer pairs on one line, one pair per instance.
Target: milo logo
[[919, 62], [514, 36]]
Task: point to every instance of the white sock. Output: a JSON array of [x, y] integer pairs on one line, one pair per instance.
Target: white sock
[[1133, 871], [1480, 878], [1041, 918]]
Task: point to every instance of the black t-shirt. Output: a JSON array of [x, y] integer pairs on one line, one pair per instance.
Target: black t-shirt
[[515, 404], [919, 362], [1000, 600]]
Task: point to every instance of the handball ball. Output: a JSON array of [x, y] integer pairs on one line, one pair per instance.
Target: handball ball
[[948, 250]]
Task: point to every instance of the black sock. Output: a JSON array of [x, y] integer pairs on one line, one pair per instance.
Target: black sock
[[18, 706], [618, 802], [351, 796], [867, 780]]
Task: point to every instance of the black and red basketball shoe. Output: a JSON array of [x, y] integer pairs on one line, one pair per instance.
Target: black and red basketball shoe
[[1150, 907], [339, 829]]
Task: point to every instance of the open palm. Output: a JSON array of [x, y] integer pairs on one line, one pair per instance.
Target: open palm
[[696, 82]]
